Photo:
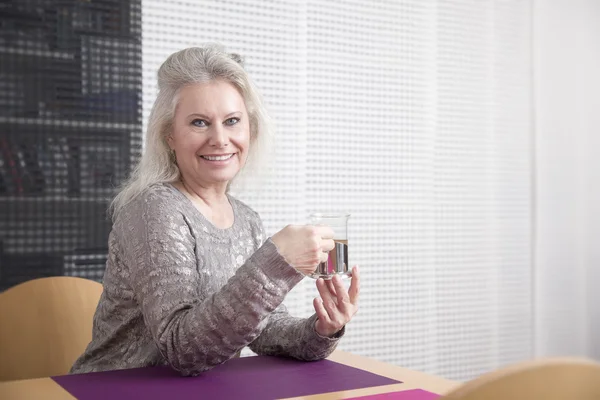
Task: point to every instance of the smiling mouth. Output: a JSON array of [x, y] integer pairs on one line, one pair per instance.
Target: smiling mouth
[[223, 157]]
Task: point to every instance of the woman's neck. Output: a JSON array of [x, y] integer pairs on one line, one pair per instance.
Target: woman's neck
[[213, 203], [213, 197]]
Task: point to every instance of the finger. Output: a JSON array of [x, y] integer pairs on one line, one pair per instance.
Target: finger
[[354, 290], [327, 244], [331, 287], [325, 231], [320, 310], [335, 314], [323, 256], [340, 291], [325, 294]]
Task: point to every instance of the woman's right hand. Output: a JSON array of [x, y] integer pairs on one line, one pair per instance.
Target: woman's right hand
[[304, 246]]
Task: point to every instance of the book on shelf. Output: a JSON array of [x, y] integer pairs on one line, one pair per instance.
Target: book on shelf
[[53, 166], [11, 174], [31, 168], [59, 166]]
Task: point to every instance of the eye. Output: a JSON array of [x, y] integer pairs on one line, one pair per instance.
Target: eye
[[200, 123], [232, 121]]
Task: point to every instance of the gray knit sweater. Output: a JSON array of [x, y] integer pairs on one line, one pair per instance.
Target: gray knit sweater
[[179, 291]]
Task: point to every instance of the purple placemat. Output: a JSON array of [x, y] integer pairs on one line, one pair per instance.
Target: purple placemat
[[413, 394], [259, 377]]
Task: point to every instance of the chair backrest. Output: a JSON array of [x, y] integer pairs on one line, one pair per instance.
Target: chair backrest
[[45, 324], [544, 379]]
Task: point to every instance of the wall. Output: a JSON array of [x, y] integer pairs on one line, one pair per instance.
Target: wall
[[415, 117], [566, 61]]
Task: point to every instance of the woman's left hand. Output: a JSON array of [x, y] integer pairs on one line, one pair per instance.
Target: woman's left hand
[[336, 307]]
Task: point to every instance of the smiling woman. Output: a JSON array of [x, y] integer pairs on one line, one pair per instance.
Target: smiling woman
[[191, 277]]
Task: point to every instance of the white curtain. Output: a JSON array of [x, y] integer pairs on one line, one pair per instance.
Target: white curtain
[[567, 136], [415, 117]]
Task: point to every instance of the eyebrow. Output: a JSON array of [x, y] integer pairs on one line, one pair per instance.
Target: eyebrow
[[206, 117]]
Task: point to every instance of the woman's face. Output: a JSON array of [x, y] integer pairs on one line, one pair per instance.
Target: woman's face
[[211, 133]]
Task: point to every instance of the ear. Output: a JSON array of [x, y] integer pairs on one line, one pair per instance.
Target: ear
[[170, 142]]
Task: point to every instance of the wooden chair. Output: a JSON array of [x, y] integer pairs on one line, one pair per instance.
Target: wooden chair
[[45, 324], [545, 379]]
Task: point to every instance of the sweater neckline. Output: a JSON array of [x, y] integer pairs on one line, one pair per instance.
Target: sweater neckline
[[219, 232]]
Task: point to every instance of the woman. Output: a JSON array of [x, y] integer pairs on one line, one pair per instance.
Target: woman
[[191, 277]]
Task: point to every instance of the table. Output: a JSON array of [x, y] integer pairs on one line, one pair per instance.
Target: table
[[47, 388]]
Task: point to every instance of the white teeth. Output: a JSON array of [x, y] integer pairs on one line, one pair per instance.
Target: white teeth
[[217, 158]]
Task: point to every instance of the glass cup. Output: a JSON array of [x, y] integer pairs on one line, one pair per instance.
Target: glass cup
[[337, 262]]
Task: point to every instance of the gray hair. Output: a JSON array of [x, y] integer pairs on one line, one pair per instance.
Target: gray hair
[[188, 66]]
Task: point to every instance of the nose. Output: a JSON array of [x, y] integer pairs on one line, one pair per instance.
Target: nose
[[218, 137]]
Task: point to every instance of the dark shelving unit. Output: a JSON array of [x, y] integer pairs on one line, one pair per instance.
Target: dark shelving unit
[[70, 129]]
